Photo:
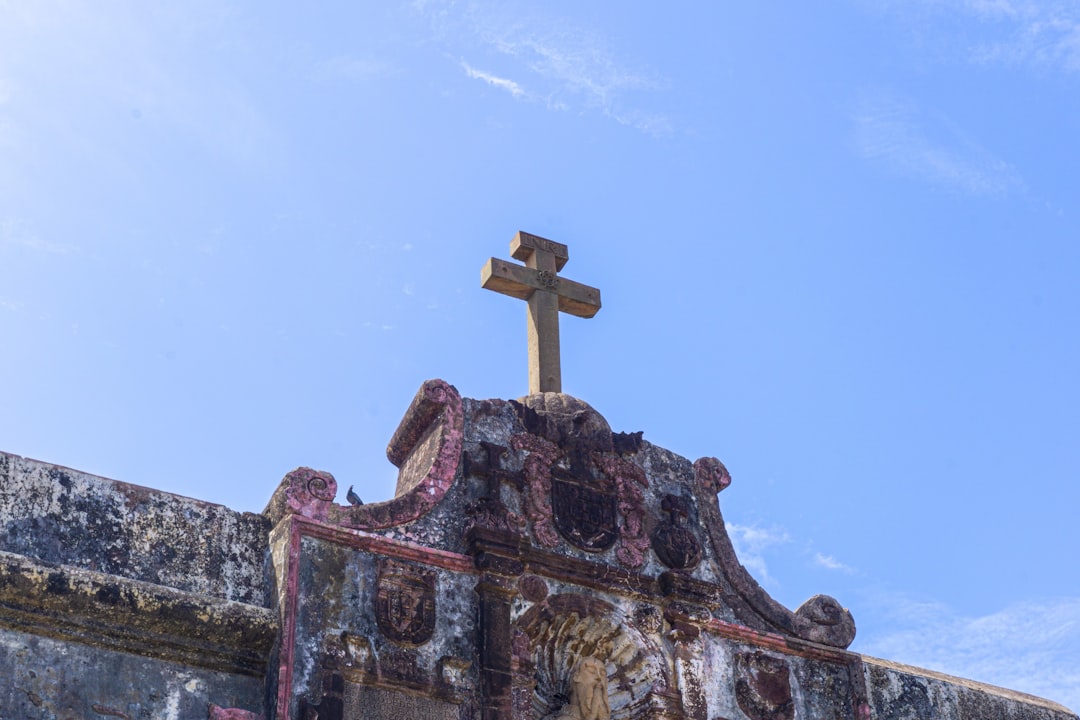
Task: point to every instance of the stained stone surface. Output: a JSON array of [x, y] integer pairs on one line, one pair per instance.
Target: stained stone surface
[[527, 538], [363, 701], [58, 515], [57, 679], [902, 692]]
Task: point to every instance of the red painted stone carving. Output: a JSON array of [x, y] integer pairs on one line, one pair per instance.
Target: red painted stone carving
[[763, 687], [405, 602], [532, 588], [711, 474], [310, 493], [426, 448], [584, 493], [629, 479], [541, 455]]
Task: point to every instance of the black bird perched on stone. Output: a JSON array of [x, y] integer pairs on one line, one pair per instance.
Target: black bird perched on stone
[[353, 498]]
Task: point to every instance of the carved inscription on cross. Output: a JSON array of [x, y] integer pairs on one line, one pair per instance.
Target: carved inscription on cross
[[538, 282]]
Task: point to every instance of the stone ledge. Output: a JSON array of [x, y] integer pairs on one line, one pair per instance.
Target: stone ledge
[[992, 701], [59, 515], [132, 616]]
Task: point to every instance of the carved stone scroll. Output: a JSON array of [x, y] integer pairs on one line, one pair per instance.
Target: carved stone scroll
[[427, 450], [822, 619]]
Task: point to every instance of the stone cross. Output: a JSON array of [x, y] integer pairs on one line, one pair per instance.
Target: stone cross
[[547, 294]]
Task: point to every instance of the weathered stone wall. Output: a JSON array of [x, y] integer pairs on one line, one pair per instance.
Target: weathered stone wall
[[902, 692], [121, 601], [58, 515], [528, 547], [48, 679]]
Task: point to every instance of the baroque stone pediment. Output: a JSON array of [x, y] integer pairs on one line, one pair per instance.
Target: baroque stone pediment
[[606, 509], [586, 543], [533, 564]]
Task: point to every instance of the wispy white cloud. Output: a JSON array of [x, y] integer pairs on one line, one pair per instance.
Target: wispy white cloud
[[1043, 33], [566, 67], [502, 83], [830, 563], [751, 543], [898, 136], [1032, 646], [14, 234]]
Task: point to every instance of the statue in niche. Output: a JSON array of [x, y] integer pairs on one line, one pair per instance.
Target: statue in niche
[[588, 693]]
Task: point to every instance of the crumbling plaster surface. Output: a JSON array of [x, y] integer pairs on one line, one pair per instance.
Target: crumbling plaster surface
[[336, 619], [903, 692], [497, 421], [58, 515], [46, 679]]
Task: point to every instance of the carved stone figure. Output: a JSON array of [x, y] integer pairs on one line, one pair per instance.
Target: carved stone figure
[[588, 693]]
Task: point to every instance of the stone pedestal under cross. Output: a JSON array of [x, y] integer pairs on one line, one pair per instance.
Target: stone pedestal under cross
[[547, 294]]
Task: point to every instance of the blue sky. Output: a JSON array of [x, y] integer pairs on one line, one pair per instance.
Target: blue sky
[[837, 245]]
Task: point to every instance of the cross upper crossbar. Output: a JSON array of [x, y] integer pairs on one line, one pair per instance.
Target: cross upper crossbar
[[547, 295]]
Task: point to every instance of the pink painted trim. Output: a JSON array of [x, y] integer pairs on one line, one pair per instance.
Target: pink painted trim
[[436, 399], [311, 493], [780, 643], [301, 527], [288, 621], [377, 544]]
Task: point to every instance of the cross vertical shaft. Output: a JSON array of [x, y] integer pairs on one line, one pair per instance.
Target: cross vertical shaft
[[545, 364], [547, 295]]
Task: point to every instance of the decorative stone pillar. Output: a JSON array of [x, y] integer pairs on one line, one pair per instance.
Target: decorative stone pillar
[[685, 619], [497, 557]]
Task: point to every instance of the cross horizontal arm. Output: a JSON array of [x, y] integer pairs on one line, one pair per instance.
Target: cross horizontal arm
[[520, 282]]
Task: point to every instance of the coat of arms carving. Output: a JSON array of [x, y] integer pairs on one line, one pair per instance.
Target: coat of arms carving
[[583, 505], [763, 687], [405, 602]]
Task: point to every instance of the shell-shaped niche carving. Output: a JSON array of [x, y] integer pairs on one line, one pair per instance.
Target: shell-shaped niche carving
[[567, 629]]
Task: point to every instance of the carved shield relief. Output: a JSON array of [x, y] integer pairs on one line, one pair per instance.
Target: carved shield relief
[[763, 687], [584, 509], [405, 602]]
